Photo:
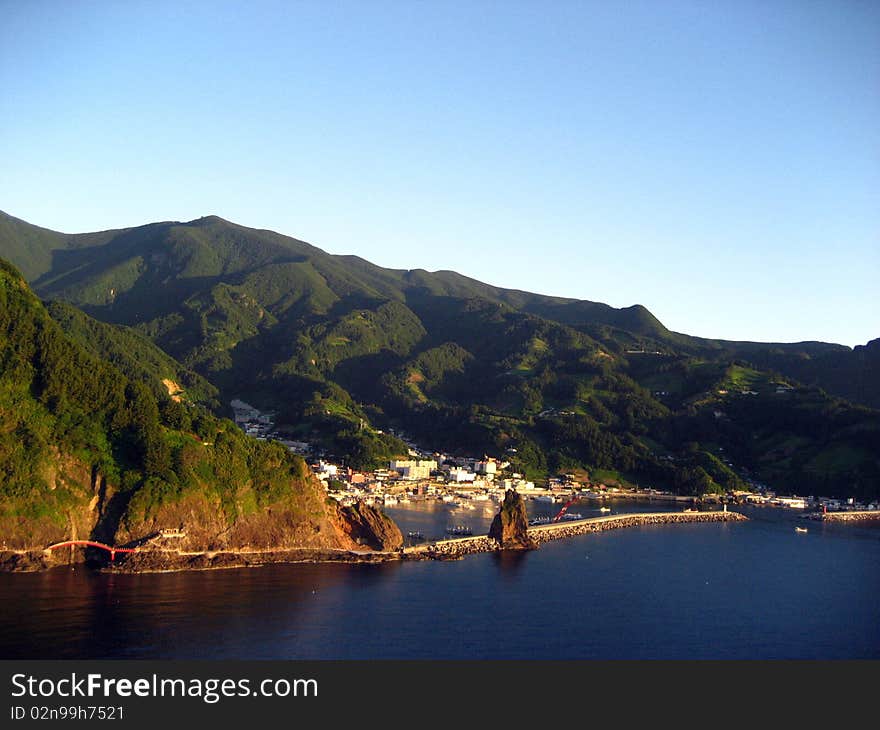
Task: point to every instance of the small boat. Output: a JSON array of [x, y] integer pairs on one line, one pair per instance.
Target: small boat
[[539, 520], [800, 529], [459, 530], [604, 509], [415, 535]]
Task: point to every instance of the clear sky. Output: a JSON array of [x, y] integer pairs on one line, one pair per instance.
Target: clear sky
[[718, 162]]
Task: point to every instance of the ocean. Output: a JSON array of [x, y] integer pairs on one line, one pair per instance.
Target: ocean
[[745, 590]]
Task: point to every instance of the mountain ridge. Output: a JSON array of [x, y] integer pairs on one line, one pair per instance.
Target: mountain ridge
[[454, 281], [343, 350]]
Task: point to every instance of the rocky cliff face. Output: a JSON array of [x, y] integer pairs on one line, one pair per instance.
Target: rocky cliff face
[[369, 528], [511, 524], [302, 519]]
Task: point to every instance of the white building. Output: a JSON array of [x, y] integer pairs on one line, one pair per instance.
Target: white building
[[415, 472], [489, 467], [327, 470], [413, 469], [459, 474]]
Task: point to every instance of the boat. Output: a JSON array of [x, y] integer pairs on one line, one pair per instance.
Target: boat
[[415, 535], [459, 530], [604, 509], [572, 516], [800, 529], [539, 520]]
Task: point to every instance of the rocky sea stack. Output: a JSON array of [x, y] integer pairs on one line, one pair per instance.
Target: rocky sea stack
[[511, 525]]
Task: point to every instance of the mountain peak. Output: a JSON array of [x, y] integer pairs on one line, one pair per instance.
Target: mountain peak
[[208, 220]]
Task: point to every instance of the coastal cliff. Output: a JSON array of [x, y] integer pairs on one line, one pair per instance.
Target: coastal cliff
[[90, 451], [368, 527], [194, 534]]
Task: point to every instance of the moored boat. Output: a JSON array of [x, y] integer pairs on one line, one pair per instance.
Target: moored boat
[[459, 531]]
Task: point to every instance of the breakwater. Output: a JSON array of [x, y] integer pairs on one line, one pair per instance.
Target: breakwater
[[460, 547], [851, 516], [451, 549], [559, 530]]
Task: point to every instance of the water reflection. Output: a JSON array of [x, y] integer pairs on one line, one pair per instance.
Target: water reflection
[[510, 563], [66, 613]]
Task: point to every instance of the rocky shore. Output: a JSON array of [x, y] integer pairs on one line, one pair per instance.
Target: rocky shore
[[165, 560], [160, 561]]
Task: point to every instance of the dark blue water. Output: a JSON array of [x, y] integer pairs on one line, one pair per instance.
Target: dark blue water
[[727, 591]]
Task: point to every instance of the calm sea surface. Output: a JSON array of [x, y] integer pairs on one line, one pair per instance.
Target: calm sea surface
[[727, 591]]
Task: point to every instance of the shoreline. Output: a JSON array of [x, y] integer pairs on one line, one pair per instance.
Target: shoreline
[[172, 561]]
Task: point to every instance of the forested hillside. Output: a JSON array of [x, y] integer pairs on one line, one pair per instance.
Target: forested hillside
[[343, 351], [87, 452]]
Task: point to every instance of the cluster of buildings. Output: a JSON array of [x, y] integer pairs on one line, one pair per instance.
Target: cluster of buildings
[[826, 504], [439, 476], [261, 425], [434, 476], [253, 422]]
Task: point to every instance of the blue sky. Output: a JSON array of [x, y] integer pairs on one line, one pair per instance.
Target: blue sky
[[718, 162]]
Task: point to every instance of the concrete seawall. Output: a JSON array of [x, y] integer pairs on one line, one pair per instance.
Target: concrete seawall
[[458, 548]]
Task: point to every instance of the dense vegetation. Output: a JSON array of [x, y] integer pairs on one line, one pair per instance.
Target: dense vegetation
[[82, 444], [134, 355], [342, 351]]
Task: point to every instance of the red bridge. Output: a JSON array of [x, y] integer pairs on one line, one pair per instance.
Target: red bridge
[[89, 543]]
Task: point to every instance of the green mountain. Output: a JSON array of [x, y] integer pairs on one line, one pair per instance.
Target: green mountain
[[342, 350], [136, 356], [86, 452]]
